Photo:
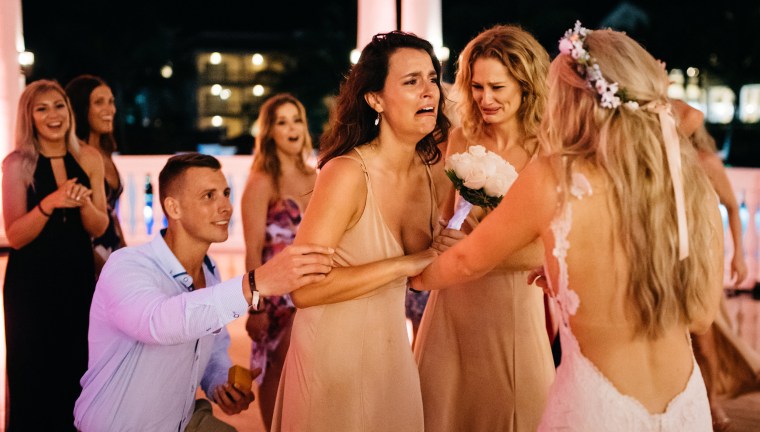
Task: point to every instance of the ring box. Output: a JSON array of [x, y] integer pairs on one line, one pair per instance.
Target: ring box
[[240, 377]]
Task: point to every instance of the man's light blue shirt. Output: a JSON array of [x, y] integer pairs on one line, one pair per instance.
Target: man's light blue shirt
[[153, 340]]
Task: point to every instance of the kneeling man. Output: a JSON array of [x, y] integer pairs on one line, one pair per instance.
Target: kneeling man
[[158, 316]]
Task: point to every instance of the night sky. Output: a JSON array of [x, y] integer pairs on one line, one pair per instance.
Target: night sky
[[128, 42]]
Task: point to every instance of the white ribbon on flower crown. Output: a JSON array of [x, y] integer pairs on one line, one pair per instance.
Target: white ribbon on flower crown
[[673, 153]]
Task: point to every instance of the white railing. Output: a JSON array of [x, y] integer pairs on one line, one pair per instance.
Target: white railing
[[133, 169]]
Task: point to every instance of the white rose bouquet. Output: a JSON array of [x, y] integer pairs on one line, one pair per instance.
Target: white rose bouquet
[[481, 177]]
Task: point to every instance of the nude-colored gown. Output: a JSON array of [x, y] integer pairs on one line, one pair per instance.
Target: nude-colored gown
[[483, 353], [350, 366]]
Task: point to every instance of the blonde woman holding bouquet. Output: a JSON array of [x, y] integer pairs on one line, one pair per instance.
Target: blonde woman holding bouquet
[[633, 256], [349, 366], [483, 353], [276, 195]]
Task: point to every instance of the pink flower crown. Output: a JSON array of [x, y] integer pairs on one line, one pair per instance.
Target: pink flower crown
[[611, 95]]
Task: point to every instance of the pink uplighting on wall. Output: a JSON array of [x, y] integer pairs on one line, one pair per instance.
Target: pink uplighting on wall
[[11, 84]]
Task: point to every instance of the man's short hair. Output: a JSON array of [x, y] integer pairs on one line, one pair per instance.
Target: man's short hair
[[176, 166]]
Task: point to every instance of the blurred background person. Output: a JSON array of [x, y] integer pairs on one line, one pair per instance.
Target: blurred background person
[[276, 195], [350, 366], [484, 357], [53, 203], [729, 365], [94, 110]]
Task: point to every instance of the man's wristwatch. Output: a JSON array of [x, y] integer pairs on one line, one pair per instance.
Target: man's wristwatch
[[255, 295]]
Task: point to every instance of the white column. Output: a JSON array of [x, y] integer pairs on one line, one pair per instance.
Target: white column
[[423, 18], [11, 81], [11, 84], [374, 16]]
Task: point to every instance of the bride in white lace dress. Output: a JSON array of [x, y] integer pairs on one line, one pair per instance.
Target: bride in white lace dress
[[633, 242]]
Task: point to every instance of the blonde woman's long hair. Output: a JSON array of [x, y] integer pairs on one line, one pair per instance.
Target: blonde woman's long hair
[[627, 146], [26, 144], [265, 158], [526, 61]]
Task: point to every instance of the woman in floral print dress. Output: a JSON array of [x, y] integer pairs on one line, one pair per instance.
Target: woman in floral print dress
[[278, 190]]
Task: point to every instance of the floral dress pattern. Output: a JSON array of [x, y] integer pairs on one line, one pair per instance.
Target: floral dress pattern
[[283, 218], [415, 305]]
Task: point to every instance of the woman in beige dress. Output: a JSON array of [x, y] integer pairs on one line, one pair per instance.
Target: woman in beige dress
[[349, 366], [483, 353]]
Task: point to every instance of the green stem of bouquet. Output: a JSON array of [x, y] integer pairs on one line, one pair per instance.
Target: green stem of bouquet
[[475, 197]]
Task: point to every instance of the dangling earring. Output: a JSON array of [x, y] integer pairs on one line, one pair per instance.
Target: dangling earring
[[377, 120]]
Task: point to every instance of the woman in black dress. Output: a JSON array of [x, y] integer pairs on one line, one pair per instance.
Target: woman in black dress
[[93, 104], [53, 204]]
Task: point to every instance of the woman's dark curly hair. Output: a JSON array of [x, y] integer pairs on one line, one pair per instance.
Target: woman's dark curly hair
[[352, 120]]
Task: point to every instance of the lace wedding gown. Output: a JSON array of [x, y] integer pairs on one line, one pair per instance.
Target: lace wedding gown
[[582, 398]]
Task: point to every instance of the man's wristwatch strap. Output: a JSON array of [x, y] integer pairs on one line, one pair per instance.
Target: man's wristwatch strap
[[255, 294]]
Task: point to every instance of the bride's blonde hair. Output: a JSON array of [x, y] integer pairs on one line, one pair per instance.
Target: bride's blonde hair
[[627, 146]]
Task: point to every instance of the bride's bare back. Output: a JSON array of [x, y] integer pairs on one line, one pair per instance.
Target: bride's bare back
[[650, 370]]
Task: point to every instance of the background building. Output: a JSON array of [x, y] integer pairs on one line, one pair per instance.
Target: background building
[[235, 74], [134, 44]]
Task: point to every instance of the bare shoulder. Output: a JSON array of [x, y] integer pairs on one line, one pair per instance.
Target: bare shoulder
[[90, 159], [260, 181], [12, 163], [259, 185], [709, 161], [538, 181], [339, 197], [537, 187], [542, 167], [14, 186], [341, 183], [13, 175], [342, 172], [689, 119], [457, 141]]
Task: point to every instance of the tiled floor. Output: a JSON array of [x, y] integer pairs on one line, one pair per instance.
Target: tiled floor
[[744, 411], [745, 313]]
